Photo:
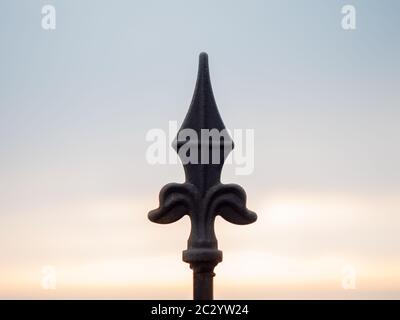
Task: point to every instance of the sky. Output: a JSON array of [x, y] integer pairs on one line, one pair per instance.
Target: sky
[[77, 102]]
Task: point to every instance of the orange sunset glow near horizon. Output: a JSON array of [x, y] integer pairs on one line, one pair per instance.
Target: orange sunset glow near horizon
[[303, 246]]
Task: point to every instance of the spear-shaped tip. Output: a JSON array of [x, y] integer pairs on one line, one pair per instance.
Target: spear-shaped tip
[[203, 83], [203, 65], [203, 111]]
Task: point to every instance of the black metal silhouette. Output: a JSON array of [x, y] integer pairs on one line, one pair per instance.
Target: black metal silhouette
[[202, 196]]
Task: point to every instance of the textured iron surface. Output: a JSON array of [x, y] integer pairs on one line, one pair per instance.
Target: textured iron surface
[[202, 196]]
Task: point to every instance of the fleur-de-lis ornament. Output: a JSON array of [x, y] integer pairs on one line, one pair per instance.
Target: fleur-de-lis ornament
[[202, 196]]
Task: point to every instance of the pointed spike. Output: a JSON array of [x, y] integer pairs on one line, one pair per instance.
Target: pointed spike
[[203, 112], [203, 74], [203, 59]]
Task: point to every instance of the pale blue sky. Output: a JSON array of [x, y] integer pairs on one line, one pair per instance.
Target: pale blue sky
[[81, 98]]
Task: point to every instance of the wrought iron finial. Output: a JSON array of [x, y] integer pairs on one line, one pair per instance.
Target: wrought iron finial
[[202, 196]]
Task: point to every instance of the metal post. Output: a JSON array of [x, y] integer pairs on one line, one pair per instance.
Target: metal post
[[203, 284], [202, 196]]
